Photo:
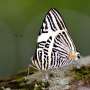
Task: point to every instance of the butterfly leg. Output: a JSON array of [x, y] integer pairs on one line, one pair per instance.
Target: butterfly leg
[[76, 63], [45, 76]]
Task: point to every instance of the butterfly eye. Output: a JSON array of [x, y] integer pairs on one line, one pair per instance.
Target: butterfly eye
[[78, 56]]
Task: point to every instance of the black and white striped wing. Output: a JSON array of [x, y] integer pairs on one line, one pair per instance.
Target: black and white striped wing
[[53, 43]]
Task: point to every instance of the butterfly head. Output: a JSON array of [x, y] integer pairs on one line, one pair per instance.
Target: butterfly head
[[74, 55]]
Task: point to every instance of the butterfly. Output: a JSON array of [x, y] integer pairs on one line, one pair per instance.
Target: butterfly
[[54, 48]]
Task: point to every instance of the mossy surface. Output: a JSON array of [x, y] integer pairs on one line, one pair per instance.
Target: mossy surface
[[82, 74], [19, 82]]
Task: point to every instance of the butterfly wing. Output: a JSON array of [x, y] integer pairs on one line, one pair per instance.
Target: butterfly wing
[[53, 43]]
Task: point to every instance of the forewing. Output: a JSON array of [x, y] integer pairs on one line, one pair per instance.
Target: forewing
[[53, 22], [64, 32]]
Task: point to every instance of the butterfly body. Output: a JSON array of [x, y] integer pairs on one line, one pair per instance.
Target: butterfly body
[[55, 47]]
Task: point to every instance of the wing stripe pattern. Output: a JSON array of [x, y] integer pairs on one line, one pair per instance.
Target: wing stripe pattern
[[58, 21], [52, 52], [52, 21], [59, 18], [64, 38]]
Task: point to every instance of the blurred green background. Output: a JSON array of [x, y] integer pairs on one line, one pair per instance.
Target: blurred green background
[[20, 21]]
